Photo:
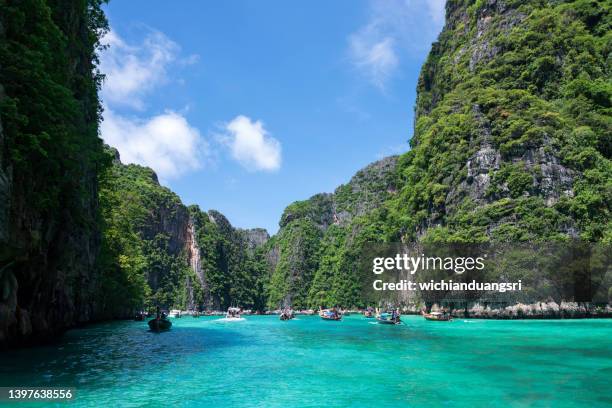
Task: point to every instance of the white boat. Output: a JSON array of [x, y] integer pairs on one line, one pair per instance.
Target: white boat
[[437, 316], [233, 313], [175, 313]]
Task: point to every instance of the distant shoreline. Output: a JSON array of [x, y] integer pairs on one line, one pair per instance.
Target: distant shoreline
[[533, 311]]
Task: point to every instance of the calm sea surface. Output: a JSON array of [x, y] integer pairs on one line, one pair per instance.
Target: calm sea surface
[[307, 362]]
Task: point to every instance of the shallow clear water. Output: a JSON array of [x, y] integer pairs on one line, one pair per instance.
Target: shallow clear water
[[307, 362]]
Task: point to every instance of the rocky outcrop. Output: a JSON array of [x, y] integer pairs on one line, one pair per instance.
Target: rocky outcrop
[[49, 162], [366, 190], [231, 262], [499, 125], [539, 310], [254, 237], [308, 227]]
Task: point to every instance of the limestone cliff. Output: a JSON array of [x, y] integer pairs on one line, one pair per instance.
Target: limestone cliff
[[313, 230], [231, 261], [512, 136], [49, 160]]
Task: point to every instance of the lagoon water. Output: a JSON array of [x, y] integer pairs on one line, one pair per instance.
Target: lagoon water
[[307, 362]]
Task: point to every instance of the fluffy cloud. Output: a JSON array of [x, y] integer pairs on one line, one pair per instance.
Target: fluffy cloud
[[132, 71], [394, 27], [167, 142], [251, 145]]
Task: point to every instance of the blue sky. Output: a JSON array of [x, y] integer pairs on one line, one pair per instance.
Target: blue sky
[[247, 106]]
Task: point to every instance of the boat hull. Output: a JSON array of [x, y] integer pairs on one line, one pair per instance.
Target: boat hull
[[383, 321], [159, 325], [437, 318], [335, 319], [327, 314]]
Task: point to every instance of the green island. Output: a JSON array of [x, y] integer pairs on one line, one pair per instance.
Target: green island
[[512, 144]]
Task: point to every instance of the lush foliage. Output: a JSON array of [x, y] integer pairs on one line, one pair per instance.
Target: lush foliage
[[512, 143], [143, 260], [235, 273], [49, 107], [321, 240], [535, 87]]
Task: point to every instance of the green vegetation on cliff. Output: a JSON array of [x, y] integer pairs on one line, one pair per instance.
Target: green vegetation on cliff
[[157, 252], [512, 143], [513, 131], [50, 155], [49, 105], [321, 239], [143, 259], [233, 268]]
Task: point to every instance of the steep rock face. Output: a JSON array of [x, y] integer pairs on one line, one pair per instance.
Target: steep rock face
[[512, 143], [317, 229], [49, 159], [512, 129], [254, 238], [151, 254], [158, 252], [231, 261], [366, 191]]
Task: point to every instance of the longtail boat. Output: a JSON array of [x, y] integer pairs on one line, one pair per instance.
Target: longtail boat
[[160, 324], [286, 314], [389, 317], [438, 316], [327, 314]]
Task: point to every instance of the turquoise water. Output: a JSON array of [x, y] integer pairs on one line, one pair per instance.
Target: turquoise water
[[307, 362]]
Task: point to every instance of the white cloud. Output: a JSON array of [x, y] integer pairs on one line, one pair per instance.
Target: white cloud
[[375, 57], [133, 71], [167, 142], [394, 28], [251, 145]]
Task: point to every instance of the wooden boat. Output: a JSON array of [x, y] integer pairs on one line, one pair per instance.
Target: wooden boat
[[389, 317], [286, 314], [437, 316], [160, 324], [369, 313], [330, 314]]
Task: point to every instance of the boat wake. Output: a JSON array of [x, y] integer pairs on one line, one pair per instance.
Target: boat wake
[[230, 320]]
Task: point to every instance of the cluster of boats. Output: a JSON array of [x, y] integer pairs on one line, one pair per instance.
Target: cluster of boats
[[389, 316]]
